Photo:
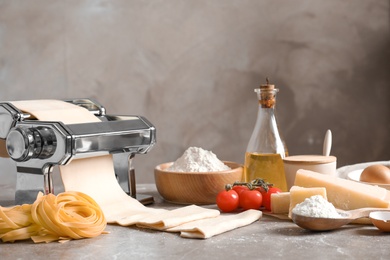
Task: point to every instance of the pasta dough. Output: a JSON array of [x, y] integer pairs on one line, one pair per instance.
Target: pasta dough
[[69, 215], [55, 110], [206, 228], [177, 217], [96, 177]]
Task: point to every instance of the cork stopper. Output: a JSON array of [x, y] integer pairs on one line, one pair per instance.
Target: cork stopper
[[267, 94], [267, 86]]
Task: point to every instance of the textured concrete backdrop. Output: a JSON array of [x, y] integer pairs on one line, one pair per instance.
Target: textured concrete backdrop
[[190, 67]]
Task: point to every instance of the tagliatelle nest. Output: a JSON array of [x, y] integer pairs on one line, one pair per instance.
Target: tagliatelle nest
[[69, 215]]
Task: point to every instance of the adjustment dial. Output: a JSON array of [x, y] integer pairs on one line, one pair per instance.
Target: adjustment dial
[[24, 144]]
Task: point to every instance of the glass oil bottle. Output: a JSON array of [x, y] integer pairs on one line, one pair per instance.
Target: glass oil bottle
[[266, 149]]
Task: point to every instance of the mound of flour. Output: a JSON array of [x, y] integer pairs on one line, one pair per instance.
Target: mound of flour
[[316, 206], [197, 159]]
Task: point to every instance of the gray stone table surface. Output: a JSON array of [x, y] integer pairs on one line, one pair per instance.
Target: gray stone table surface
[[269, 238]]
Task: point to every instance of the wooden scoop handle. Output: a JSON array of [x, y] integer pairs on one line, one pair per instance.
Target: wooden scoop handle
[[364, 212]]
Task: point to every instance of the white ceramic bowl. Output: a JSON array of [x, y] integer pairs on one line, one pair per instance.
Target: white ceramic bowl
[[381, 219], [355, 176]]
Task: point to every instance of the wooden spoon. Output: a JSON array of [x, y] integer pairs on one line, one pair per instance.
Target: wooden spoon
[[327, 146], [325, 224]]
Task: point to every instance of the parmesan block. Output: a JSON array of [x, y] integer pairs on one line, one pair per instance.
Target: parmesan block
[[343, 193], [280, 202], [299, 194]]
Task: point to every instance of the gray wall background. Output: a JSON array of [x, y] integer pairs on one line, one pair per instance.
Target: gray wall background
[[190, 67]]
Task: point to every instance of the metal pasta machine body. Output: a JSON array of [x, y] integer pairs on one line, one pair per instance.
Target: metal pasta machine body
[[37, 146]]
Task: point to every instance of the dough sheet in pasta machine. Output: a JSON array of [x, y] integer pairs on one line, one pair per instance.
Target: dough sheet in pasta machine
[[37, 146]]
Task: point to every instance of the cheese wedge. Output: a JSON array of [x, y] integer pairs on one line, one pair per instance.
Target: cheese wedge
[[299, 194], [343, 193], [280, 202]]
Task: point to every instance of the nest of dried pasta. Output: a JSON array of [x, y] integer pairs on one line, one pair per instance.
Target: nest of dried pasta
[[69, 215]]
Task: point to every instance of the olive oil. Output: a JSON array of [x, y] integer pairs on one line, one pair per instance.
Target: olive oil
[[266, 149], [265, 166]]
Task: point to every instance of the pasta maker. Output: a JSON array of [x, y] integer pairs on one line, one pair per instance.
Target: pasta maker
[[37, 146]]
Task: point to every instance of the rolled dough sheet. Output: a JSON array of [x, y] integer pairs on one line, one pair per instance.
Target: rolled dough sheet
[[177, 217], [96, 177], [56, 110], [206, 228]]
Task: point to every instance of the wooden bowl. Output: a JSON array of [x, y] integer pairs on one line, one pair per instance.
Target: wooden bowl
[[194, 187]]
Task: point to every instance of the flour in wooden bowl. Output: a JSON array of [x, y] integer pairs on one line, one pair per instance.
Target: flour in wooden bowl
[[196, 159]]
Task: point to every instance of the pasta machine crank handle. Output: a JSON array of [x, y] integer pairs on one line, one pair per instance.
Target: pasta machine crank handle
[[143, 198], [47, 171], [131, 177]]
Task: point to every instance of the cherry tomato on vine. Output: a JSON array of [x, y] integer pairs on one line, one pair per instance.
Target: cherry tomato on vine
[[267, 196], [227, 200], [239, 189], [251, 199]]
